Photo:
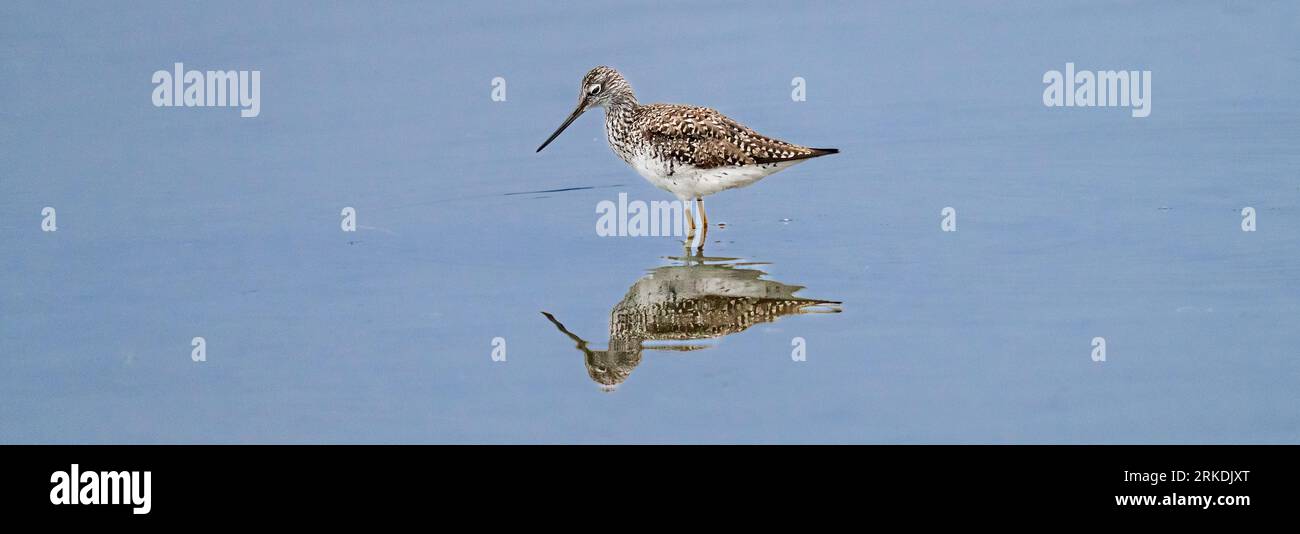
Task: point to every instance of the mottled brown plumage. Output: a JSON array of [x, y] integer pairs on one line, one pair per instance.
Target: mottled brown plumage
[[707, 139], [700, 299]]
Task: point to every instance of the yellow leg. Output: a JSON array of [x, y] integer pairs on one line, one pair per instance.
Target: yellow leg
[[690, 223], [704, 223]]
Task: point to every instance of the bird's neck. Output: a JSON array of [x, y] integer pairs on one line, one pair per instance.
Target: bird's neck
[[623, 101], [620, 109], [619, 120]]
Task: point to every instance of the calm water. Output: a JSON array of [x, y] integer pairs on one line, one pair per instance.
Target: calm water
[[1072, 224]]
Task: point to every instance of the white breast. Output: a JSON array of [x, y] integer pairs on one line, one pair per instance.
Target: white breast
[[688, 182]]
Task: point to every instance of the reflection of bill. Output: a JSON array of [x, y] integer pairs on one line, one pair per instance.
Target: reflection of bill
[[698, 298]]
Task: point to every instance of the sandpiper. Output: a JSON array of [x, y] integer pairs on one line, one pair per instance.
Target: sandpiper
[[689, 151], [696, 299]]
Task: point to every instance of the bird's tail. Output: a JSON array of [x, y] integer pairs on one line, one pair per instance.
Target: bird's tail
[[812, 153]]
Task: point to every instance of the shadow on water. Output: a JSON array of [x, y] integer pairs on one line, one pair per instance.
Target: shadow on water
[[697, 298]]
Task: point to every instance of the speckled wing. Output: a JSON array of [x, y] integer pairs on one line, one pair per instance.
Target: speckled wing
[[707, 139]]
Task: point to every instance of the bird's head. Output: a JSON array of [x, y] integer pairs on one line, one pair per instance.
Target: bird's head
[[600, 87]]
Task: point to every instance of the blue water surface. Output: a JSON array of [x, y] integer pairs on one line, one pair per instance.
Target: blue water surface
[[1072, 224]]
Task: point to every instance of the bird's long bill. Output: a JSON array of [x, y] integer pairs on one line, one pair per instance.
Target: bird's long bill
[[581, 107]]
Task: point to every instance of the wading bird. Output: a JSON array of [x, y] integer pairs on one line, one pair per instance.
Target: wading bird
[[689, 151]]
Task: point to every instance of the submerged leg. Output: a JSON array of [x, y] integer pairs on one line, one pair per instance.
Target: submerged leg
[[690, 223], [704, 236], [704, 223]]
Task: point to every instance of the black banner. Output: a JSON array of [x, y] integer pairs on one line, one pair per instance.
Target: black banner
[[162, 483]]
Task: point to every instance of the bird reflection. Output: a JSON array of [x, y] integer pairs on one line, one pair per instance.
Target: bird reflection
[[695, 299]]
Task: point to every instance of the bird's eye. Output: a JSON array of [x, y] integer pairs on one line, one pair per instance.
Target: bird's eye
[[593, 90]]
